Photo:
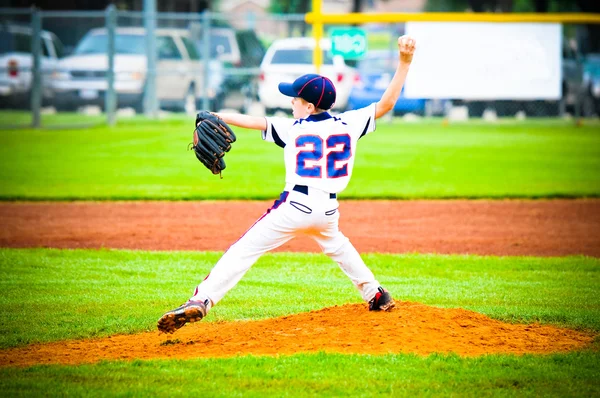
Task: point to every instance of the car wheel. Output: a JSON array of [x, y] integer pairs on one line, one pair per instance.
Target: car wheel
[[217, 102], [476, 108], [587, 105], [65, 107], [138, 105], [189, 101]]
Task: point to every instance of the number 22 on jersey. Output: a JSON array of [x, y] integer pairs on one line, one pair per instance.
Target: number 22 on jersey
[[311, 150]]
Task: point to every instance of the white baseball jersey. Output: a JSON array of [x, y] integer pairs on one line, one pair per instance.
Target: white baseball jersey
[[319, 151]]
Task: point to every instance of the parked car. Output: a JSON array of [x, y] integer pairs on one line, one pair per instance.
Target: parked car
[[81, 77], [375, 73], [236, 49], [16, 64], [288, 59], [591, 79], [572, 73]]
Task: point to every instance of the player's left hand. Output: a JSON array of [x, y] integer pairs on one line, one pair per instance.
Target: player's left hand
[[406, 46], [212, 138]]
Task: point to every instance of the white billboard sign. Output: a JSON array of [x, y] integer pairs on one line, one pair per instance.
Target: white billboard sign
[[485, 61]]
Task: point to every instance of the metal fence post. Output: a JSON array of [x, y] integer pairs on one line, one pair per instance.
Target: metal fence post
[[150, 101], [205, 57], [36, 70], [110, 99]]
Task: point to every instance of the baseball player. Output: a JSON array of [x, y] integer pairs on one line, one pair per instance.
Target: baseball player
[[319, 151]]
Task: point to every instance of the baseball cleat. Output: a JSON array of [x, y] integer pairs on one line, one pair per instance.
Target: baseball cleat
[[192, 311], [382, 301]]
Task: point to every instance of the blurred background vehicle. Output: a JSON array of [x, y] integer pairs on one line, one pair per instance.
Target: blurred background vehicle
[[591, 79], [16, 64], [375, 73], [572, 86], [81, 77], [287, 59], [235, 48]]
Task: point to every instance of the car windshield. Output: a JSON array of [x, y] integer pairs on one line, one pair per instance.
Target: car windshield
[[302, 56], [592, 65], [219, 44], [124, 44], [14, 42], [378, 64], [593, 59]]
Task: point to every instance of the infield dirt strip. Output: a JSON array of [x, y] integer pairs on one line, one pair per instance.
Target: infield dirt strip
[[499, 227], [503, 227]]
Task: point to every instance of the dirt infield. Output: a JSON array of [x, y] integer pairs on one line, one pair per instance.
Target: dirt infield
[[504, 227], [351, 329], [539, 228]]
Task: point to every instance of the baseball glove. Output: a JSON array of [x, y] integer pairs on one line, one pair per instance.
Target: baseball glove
[[212, 138]]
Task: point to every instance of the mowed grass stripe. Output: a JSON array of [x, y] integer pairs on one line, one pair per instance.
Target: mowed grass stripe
[[330, 375], [142, 159], [51, 294]]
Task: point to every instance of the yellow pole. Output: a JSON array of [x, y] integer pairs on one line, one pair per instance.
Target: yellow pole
[[317, 34]]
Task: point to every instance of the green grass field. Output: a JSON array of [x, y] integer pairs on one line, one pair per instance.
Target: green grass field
[[88, 293], [140, 159], [127, 291], [50, 295]]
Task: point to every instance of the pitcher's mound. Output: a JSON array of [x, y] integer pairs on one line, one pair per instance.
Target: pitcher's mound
[[352, 329]]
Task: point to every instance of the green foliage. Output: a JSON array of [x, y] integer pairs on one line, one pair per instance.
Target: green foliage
[[289, 7], [517, 6], [88, 293], [446, 5], [553, 6], [141, 159]]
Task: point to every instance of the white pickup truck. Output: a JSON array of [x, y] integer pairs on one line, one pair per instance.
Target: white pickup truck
[[81, 78], [16, 63]]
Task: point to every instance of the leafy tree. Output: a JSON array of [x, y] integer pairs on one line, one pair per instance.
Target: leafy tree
[[292, 7], [289, 6]]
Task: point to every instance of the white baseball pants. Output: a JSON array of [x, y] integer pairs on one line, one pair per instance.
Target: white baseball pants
[[315, 214]]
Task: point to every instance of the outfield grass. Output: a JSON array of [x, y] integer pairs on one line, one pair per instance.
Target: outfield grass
[[51, 294], [318, 375], [141, 159]]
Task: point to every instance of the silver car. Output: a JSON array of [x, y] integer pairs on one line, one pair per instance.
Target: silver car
[[16, 64], [81, 77]]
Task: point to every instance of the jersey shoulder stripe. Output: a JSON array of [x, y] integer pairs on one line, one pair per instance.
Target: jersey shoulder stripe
[[278, 141], [364, 132]]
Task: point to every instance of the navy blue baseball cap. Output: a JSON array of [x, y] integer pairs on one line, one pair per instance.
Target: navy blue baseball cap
[[316, 89]]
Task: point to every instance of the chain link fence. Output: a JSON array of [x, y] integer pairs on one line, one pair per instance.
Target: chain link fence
[[73, 68]]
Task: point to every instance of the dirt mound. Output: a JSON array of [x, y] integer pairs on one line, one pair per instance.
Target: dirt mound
[[351, 329]]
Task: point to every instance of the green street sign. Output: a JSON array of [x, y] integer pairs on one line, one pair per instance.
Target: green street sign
[[350, 43]]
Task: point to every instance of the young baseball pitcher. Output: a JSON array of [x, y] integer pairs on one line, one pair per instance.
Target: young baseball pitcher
[[319, 151]]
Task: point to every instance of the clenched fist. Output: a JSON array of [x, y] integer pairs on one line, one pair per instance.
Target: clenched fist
[[406, 45]]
